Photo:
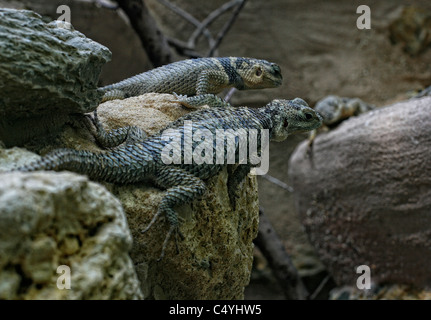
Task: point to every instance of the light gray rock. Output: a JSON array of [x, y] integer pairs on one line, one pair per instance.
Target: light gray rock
[[47, 72], [45, 68], [52, 219], [364, 194], [215, 257]]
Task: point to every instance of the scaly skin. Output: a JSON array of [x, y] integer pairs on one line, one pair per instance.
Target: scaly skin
[[198, 76], [136, 160]]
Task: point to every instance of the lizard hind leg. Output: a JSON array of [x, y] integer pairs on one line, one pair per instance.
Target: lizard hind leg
[[182, 188], [113, 138]]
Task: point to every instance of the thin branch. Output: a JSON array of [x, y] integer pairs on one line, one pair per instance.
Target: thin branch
[[279, 261], [187, 16], [320, 287], [229, 95], [183, 48], [225, 29], [277, 182], [152, 39], [209, 19]]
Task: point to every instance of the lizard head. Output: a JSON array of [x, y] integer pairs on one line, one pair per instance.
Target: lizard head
[[292, 116], [259, 74]]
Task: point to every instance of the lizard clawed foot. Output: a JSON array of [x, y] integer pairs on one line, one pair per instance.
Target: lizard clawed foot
[[183, 100], [151, 222], [174, 228], [95, 120], [178, 234]]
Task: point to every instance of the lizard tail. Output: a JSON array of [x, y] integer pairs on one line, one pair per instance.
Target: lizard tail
[[126, 88], [112, 95], [63, 159], [97, 166]]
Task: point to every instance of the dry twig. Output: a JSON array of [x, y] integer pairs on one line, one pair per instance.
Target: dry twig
[[277, 182], [187, 16], [226, 28], [189, 48]]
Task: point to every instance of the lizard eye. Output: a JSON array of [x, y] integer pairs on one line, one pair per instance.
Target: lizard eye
[[286, 123], [258, 72], [308, 116]]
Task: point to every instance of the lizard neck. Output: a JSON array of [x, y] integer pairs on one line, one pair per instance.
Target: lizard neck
[[230, 67]]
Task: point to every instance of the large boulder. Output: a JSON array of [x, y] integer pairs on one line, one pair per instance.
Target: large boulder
[[363, 193], [53, 66], [55, 225], [48, 71]]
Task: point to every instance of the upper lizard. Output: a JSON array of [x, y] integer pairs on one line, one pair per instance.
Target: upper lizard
[[198, 76], [138, 159]]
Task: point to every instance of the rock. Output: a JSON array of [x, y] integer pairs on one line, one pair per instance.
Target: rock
[[15, 157], [215, 258], [364, 194], [54, 68], [151, 112], [94, 20], [48, 220], [47, 73]]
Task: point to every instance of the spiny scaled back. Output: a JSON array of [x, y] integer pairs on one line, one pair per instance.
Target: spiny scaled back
[[199, 76]]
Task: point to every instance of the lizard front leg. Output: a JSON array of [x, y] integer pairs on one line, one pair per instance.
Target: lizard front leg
[[208, 82], [211, 81], [182, 188], [235, 178]]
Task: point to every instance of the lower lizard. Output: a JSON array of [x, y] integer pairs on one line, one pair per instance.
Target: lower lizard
[[137, 159]]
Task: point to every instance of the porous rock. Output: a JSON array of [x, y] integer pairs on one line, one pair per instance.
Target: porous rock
[[46, 68], [363, 193], [151, 112], [215, 257], [50, 220]]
